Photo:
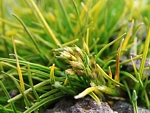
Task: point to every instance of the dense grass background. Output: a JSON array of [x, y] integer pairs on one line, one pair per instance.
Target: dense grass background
[[97, 27]]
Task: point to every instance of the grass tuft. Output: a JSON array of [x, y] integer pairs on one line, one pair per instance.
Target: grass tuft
[[73, 48]]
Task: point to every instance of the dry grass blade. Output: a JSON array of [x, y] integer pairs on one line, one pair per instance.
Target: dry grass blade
[[117, 74], [85, 92], [18, 68], [124, 46], [52, 77]]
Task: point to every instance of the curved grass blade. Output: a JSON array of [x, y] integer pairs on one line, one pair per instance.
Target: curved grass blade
[[29, 34], [107, 63], [85, 92], [109, 78], [92, 94], [130, 76], [20, 27], [106, 46]]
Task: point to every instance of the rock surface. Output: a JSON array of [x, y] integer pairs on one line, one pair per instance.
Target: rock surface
[[88, 105], [85, 105], [123, 107]]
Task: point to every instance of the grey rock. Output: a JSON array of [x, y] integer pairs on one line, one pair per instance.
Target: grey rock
[[124, 107], [88, 105], [137, 63], [85, 105], [62, 106], [13, 93]]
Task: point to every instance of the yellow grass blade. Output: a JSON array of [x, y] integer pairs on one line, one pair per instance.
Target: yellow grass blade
[[52, 77], [85, 92], [48, 29], [127, 38], [18, 68]]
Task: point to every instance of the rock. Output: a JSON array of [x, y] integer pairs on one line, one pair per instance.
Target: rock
[[62, 106], [129, 66], [88, 105], [13, 93], [124, 107], [85, 105]]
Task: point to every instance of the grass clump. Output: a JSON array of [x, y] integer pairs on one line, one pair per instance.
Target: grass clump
[[73, 48]]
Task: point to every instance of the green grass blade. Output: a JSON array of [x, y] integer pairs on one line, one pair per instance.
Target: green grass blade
[[105, 47], [147, 99], [27, 102], [20, 27], [29, 34], [110, 79], [66, 16], [108, 90], [130, 76], [146, 48], [8, 96], [134, 101], [53, 91], [4, 26], [44, 101], [77, 12], [4, 110], [31, 83], [37, 86], [127, 89]]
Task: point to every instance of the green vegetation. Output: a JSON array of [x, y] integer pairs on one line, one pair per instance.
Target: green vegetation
[[50, 49]]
